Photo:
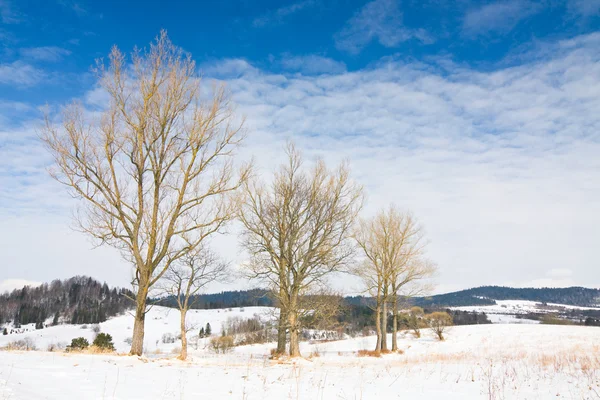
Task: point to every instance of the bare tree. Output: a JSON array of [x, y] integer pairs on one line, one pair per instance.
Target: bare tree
[[439, 322], [186, 278], [156, 169], [298, 231], [394, 265]]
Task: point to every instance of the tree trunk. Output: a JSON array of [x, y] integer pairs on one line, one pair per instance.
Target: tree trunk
[[293, 324], [294, 335], [137, 341], [281, 332], [395, 325], [183, 354], [378, 325], [384, 327]]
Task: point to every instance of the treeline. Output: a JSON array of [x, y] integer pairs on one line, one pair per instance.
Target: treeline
[[78, 300], [227, 299], [485, 295], [480, 296]]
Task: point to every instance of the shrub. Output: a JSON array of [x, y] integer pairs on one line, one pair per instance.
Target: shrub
[[550, 319], [78, 344], [104, 342], [168, 338], [56, 346], [26, 344], [96, 329], [221, 344], [5, 332], [438, 323]]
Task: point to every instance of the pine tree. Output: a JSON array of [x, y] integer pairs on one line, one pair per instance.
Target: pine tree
[[208, 331], [5, 332], [202, 333]]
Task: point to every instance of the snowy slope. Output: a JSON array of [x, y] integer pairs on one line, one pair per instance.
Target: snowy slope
[[475, 362], [159, 321], [505, 311]]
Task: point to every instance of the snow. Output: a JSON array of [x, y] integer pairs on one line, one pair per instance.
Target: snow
[[474, 362], [506, 311], [159, 321]]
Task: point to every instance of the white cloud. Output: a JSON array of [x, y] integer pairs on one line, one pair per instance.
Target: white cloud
[[19, 73], [380, 20], [502, 167], [312, 64], [584, 8], [277, 16], [47, 53], [499, 16], [8, 14]]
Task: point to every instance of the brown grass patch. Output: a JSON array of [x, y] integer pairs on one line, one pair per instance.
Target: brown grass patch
[[369, 353]]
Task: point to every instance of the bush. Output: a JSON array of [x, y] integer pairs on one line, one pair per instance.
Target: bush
[[222, 344], [56, 346], [96, 329], [5, 332], [26, 344], [438, 323], [168, 338], [550, 319], [104, 342], [78, 344]]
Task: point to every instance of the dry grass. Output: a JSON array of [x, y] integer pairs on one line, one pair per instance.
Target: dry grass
[[369, 353]]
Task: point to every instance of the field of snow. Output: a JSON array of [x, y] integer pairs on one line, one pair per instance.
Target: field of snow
[[159, 321], [475, 362], [505, 311]]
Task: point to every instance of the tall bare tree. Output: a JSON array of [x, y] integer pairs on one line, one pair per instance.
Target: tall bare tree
[[297, 231], [155, 169], [394, 265], [186, 278]]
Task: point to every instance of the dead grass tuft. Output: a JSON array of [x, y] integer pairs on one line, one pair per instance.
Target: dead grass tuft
[[369, 353]]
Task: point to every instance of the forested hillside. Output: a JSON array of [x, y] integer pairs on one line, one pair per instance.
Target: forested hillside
[[85, 300], [485, 295], [236, 298], [78, 300]]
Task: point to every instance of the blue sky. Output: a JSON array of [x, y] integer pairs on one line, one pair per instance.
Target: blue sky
[[480, 117], [60, 39]]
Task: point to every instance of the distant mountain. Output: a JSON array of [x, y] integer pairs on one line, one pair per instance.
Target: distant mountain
[[78, 300], [485, 295], [85, 300]]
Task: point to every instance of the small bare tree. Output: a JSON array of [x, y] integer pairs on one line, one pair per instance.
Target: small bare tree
[[186, 278], [439, 322], [393, 265], [155, 170], [297, 232]]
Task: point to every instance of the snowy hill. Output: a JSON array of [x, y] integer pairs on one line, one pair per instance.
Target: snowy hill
[[474, 362], [160, 321]]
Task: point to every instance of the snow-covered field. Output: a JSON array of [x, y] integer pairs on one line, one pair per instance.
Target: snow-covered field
[[506, 311], [475, 362]]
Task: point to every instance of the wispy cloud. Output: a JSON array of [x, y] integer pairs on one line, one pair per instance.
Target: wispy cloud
[[499, 16], [74, 6], [502, 167], [380, 20], [584, 8], [47, 53], [8, 13], [20, 74], [278, 16], [312, 64]]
